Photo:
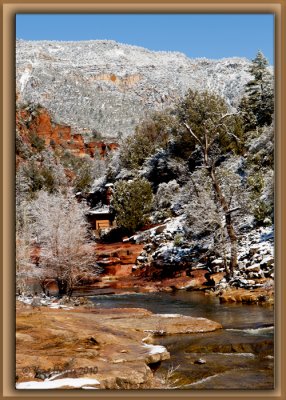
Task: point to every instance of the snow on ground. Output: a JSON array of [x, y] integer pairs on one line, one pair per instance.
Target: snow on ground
[[24, 300], [261, 239], [24, 78], [170, 315], [154, 349], [55, 305], [175, 224], [43, 302], [58, 383]]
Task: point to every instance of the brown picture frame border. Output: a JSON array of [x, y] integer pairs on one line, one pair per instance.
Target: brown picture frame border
[[8, 11]]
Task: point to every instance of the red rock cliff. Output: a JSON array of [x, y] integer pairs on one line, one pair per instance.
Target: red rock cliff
[[39, 122]]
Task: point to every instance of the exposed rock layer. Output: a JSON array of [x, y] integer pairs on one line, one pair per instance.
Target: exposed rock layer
[[39, 122], [112, 346]]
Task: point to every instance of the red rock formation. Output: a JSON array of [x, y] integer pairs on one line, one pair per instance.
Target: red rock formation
[[40, 123], [61, 133], [100, 148], [113, 146], [43, 127], [76, 145], [117, 258]]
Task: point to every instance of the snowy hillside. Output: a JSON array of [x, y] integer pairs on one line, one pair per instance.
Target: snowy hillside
[[107, 87]]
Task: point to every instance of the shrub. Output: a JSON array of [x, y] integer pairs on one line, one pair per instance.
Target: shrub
[[37, 142], [166, 194], [32, 176], [262, 212], [178, 239], [84, 178], [22, 149], [83, 169]]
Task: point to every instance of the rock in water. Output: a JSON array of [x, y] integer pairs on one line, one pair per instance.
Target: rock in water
[[200, 361]]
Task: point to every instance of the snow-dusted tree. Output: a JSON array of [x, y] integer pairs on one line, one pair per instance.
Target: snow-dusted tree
[[62, 233], [24, 234], [204, 116], [99, 167], [149, 136], [205, 218], [52, 171], [41, 171], [113, 165], [166, 193], [257, 105], [202, 214], [24, 238], [260, 174], [132, 201]]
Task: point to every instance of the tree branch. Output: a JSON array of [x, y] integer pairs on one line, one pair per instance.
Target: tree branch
[[233, 210], [192, 133], [227, 132], [229, 115]]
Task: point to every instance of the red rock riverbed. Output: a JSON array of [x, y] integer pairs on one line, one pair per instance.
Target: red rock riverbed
[[112, 348]]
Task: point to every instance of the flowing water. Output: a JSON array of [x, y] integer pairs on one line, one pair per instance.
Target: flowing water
[[239, 356]]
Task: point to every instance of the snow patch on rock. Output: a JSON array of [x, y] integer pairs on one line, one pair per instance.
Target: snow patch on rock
[[154, 349], [58, 383]]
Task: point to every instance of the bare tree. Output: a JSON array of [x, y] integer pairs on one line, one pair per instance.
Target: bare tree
[[24, 265], [62, 233]]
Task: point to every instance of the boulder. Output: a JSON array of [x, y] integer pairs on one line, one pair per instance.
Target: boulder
[[241, 295], [36, 301], [200, 361], [218, 261], [253, 268], [267, 261]]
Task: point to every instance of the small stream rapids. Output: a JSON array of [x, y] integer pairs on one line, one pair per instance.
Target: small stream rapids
[[239, 356]]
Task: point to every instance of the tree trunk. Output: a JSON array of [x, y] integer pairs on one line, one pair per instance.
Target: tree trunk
[[233, 243], [43, 285], [228, 220], [62, 286]]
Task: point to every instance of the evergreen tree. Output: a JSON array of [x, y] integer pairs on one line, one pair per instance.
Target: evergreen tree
[[149, 136], [257, 105], [132, 202]]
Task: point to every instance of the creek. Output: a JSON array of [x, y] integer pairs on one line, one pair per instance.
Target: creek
[[239, 356]]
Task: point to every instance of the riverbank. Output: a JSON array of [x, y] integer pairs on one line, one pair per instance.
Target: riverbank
[[150, 262], [95, 348]]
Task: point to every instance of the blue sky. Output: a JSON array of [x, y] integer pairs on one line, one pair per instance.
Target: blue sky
[[196, 35]]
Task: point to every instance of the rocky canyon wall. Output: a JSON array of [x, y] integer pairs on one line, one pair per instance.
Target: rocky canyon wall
[[109, 87]]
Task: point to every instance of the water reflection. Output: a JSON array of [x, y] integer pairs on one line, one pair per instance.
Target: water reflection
[[194, 304]]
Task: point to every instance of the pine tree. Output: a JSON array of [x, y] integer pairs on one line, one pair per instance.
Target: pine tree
[[257, 105]]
